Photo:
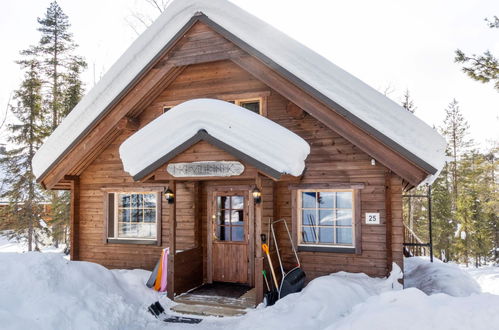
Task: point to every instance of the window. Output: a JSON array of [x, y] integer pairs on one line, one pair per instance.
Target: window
[[133, 216], [166, 108], [254, 105], [326, 218], [229, 225]]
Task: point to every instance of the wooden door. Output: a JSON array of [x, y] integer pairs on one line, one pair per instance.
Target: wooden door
[[229, 236]]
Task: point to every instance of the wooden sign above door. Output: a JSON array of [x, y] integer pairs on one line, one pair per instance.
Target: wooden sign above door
[[205, 169]]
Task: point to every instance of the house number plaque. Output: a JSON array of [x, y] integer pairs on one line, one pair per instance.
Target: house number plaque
[[203, 169]]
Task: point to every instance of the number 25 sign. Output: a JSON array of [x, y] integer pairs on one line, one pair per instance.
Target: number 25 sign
[[372, 219]]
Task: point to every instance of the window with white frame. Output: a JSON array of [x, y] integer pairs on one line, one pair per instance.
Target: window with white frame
[[133, 215], [326, 218]]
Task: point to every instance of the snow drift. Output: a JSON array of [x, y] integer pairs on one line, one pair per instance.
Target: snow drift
[[45, 291], [438, 277]]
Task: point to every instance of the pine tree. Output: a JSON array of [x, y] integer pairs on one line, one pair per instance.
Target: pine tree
[[56, 47], [24, 211], [484, 67], [62, 69]]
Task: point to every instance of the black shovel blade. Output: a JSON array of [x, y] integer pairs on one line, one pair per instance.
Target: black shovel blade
[[292, 282], [271, 297], [181, 319]]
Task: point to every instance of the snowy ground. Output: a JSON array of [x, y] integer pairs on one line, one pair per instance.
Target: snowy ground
[[7, 245], [46, 291]]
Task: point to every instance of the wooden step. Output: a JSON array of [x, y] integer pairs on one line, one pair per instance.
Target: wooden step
[[207, 310]]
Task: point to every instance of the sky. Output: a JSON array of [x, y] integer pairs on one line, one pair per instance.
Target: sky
[[392, 45]]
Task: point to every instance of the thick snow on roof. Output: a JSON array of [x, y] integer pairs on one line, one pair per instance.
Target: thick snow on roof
[[366, 106], [246, 131]]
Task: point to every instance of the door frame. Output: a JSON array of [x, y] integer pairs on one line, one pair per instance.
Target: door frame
[[212, 192]]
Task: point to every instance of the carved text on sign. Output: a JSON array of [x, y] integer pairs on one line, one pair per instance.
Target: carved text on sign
[[208, 168]]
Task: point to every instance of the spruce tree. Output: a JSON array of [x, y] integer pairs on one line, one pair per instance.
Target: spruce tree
[[25, 198], [455, 130], [444, 227]]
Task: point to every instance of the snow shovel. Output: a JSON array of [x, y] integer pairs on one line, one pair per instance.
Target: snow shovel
[[271, 295], [265, 249], [159, 312], [293, 280]]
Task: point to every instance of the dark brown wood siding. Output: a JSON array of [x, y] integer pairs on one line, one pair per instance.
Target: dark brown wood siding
[[332, 159]]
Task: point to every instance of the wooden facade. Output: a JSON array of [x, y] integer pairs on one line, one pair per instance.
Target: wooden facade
[[204, 63]]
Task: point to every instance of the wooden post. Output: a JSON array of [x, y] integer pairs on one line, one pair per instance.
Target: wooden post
[[258, 263], [171, 242], [74, 217], [198, 235], [388, 221]]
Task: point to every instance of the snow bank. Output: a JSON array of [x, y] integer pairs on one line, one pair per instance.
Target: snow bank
[[438, 277], [45, 291], [323, 301], [364, 105], [246, 131], [413, 309]]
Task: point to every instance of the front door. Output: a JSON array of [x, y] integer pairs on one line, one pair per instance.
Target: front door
[[229, 232]]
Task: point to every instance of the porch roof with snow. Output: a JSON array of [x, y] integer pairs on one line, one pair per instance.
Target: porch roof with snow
[[272, 148], [343, 93]]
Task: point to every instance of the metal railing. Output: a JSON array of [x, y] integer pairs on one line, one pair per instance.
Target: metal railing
[[414, 245]]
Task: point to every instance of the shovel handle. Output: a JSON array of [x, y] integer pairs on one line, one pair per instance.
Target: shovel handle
[[265, 248]]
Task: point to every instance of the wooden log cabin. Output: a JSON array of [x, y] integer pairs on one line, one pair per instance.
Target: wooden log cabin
[[144, 176]]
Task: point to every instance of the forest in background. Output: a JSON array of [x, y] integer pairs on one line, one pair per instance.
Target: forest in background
[[465, 203]]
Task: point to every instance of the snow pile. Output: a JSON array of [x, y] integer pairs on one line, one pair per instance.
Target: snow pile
[[362, 104], [412, 309], [323, 301], [45, 291], [438, 277], [487, 277], [244, 130]]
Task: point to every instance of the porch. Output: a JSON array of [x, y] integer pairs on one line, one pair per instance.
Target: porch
[[214, 228]]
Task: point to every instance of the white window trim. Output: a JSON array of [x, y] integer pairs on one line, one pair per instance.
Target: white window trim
[[115, 220], [300, 214]]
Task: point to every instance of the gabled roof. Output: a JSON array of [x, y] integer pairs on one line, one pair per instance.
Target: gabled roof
[[364, 106], [252, 138]]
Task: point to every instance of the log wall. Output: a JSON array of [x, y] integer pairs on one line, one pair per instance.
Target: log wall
[[332, 159]]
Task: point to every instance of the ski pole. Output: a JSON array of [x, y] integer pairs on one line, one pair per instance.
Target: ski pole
[[266, 281]]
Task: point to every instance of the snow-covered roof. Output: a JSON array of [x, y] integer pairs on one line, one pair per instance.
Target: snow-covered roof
[[360, 103], [269, 144]]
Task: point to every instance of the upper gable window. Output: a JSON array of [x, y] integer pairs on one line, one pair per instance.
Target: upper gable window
[[166, 108], [253, 105]]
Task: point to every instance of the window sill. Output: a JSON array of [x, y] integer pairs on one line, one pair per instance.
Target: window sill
[[304, 248], [132, 241]]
